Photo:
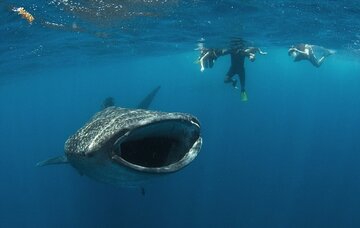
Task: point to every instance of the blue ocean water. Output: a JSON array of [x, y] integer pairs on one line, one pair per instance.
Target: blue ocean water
[[289, 157]]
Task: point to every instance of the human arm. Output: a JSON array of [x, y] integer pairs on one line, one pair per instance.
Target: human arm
[[305, 52], [201, 61], [262, 52], [208, 56], [254, 50], [250, 52]]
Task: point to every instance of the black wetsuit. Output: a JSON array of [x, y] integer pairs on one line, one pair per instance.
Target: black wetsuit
[[237, 67]]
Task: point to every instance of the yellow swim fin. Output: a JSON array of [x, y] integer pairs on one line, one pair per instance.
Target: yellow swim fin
[[243, 96]]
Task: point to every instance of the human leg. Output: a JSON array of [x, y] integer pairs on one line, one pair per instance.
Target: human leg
[[243, 93], [229, 78], [318, 61], [241, 74]]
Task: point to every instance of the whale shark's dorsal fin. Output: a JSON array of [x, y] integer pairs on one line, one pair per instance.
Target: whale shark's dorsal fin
[[53, 161], [108, 102], [145, 103]]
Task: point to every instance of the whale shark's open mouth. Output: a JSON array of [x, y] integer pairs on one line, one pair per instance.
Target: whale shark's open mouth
[[160, 147]]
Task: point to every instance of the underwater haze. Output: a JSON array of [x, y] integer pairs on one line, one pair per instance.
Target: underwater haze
[[288, 157]]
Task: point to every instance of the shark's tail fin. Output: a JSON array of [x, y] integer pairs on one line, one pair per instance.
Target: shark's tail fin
[[53, 161]]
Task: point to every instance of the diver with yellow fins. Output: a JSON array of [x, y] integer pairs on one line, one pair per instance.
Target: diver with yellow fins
[[237, 52]]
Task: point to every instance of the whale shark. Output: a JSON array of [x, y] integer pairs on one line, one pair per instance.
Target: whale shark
[[125, 147]]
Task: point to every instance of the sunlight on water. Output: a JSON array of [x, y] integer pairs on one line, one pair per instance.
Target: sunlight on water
[[156, 27]]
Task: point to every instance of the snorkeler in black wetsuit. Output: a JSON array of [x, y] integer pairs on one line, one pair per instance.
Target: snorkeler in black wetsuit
[[306, 52], [237, 57], [237, 54]]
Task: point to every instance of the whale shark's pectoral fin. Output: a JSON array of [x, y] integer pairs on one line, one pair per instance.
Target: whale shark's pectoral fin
[[53, 161]]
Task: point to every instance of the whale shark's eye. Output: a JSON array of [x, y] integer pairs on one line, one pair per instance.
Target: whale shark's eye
[[158, 144]]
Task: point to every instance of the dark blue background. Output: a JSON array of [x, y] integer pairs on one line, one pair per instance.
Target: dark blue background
[[289, 157]]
